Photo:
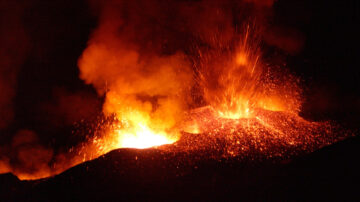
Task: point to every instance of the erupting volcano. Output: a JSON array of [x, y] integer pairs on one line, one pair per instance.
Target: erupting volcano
[[169, 85], [250, 109]]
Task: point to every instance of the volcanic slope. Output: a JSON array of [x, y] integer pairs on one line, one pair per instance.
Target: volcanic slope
[[268, 156], [152, 174]]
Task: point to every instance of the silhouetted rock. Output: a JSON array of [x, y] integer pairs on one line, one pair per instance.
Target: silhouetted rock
[[152, 174]]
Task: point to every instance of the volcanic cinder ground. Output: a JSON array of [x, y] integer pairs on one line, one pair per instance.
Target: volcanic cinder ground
[[199, 174], [264, 157], [266, 134]]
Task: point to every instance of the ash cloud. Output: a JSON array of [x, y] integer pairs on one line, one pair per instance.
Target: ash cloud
[[29, 115], [26, 157], [14, 48], [67, 108], [287, 39]]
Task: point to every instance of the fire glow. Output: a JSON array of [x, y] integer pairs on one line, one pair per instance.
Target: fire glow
[[237, 91], [235, 83], [142, 137], [248, 113], [247, 107]]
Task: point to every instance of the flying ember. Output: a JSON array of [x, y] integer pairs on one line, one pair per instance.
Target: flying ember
[[248, 104], [236, 82]]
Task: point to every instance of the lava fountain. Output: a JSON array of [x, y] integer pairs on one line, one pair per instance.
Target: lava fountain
[[236, 82], [252, 109]]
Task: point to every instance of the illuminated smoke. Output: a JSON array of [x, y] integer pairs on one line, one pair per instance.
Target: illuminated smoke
[[29, 159], [134, 58], [144, 84], [67, 108]]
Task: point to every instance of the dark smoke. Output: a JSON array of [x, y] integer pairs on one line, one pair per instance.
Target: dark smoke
[[14, 48]]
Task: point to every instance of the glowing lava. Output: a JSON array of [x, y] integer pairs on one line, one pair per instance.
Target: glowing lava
[[142, 137], [266, 135]]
